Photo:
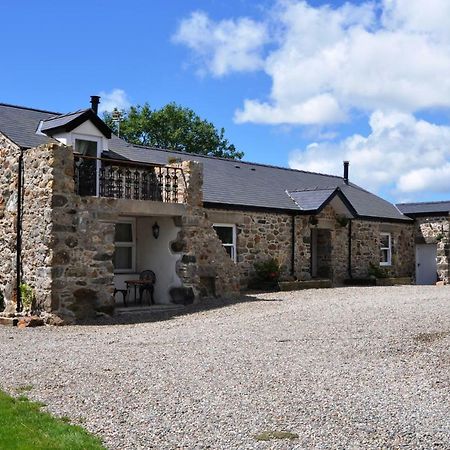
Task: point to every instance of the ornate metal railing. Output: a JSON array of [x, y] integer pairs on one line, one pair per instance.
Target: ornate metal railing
[[123, 179]]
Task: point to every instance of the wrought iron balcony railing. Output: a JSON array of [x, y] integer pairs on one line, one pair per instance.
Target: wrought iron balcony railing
[[123, 179]]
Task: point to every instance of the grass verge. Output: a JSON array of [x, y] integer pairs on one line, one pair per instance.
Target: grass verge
[[272, 435], [23, 426]]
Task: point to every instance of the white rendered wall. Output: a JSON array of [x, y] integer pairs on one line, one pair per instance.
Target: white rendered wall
[[155, 254], [84, 131]]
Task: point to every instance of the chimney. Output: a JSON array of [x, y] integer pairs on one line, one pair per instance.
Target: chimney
[[346, 164], [95, 100]]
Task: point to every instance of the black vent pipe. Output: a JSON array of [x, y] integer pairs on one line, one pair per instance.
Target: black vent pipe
[[95, 101], [346, 164]]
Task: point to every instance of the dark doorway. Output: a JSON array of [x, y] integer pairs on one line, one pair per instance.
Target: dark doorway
[[320, 253]]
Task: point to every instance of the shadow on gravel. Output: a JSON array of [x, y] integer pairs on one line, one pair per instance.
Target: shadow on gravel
[[146, 315]]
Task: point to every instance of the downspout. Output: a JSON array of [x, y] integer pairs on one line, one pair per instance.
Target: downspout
[[350, 275], [293, 246], [19, 233]]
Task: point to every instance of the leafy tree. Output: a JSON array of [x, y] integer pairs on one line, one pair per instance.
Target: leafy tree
[[172, 127]]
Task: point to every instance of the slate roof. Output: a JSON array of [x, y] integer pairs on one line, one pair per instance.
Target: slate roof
[[241, 183], [61, 120], [226, 182], [311, 199], [425, 208], [20, 124], [68, 122]]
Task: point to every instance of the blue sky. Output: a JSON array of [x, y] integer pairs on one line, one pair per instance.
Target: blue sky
[[300, 84]]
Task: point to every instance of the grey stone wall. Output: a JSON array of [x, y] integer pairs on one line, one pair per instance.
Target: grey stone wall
[[366, 244], [262, 236], [68, 240], [436, 230], [9, 157]]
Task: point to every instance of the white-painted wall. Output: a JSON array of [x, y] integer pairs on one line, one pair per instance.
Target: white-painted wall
[[86, 130], [156, 255]]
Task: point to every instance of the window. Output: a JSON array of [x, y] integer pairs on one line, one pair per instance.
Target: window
[[125, 246], [385, 249], [88, 169], [86, 148], [227, 234]]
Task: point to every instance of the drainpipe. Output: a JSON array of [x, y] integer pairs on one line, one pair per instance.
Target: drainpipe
[[350, 275], [293, 246], [19, 233]]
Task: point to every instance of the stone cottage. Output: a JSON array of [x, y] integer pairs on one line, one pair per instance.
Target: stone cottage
[[82, 212]]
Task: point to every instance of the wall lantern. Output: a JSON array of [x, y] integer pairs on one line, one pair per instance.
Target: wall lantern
[[155, 229], [313, 220]]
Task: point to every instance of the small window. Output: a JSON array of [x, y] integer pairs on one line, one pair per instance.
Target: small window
[[125, 247], [227, 234], [385, 249], [86, 148]]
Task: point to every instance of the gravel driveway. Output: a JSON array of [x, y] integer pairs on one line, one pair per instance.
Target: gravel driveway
[[346, 368]]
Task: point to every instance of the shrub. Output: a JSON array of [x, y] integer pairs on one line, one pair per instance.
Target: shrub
[[27, 296], [268, 270], [377, 271], [2, 301]]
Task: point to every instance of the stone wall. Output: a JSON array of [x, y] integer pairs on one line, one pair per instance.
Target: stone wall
[[366, 244], [261, 236], [9, 157], [205, 266], [436, 230], [68, 240]]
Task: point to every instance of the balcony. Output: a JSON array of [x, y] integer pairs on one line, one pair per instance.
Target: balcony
[[119, 179]]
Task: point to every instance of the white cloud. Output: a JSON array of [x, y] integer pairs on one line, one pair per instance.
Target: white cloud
[[390, 54], [401, 153], [117, 98], [319, 109], [223, 46]]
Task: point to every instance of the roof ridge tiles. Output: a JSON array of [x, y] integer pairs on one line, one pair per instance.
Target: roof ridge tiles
[[9, 105], [315, 189], [60, 116], [424, 203]]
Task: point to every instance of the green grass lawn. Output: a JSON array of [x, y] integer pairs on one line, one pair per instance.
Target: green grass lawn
[[23, 426]]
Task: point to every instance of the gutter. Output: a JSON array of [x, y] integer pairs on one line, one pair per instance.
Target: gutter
[[350, 275], [293, 246], [19, 233]]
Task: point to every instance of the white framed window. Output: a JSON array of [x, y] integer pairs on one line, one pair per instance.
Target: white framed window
[[125, 246], [385, 249], [227, 234]]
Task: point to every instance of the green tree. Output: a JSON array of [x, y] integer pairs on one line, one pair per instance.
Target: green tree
[[172, 127]]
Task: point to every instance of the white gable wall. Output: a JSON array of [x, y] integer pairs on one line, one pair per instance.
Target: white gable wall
[[87, 131]]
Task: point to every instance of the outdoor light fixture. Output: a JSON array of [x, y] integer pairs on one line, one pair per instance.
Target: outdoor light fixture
[[155, 229]]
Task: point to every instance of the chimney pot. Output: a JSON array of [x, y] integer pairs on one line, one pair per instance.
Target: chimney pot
[[346, 164], [95, 100]]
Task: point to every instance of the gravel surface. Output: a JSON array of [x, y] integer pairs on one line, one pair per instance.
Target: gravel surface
[[346, 368]]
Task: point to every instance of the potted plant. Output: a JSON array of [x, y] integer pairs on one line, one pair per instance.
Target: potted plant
[[267, 273]]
